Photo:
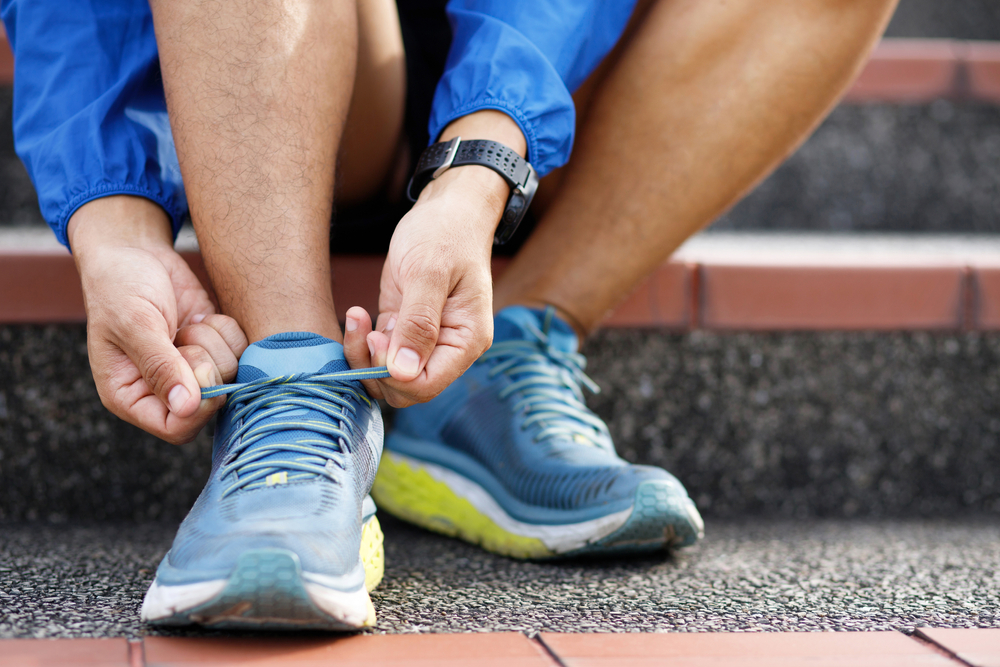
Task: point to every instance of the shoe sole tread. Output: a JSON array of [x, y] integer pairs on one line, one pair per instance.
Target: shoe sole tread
[[267, 591], [659, 518]]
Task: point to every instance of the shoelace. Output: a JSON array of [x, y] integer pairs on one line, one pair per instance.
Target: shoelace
[[271, 397], [545, 373]]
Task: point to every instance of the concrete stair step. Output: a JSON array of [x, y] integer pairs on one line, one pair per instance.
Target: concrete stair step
[[719, 281], [893, 415]]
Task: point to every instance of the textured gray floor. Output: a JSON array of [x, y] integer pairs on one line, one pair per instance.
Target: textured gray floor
[[796, 425], [884, 167], [955, 19], [749, 575]]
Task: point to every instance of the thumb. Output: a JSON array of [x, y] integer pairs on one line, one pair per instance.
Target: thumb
[[416, 329], [167, 374]]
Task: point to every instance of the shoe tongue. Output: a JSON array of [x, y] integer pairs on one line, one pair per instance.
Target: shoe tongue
[[290, 353], [519, 323]]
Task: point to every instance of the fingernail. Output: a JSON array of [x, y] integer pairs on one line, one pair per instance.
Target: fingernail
[[351, 324], [391, 324], [177, 397], [407, 361], [203, 374], [196, 319], [371, 350]]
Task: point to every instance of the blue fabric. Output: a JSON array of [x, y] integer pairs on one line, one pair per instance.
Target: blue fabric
[[525, 58], [90, 118]]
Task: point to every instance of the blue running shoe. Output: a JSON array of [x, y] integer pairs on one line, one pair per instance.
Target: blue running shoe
[[284, 536], [510, 458]]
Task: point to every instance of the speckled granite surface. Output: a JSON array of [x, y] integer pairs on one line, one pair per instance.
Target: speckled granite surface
[[758, 575], [794, 425], [805, 424], [958, 19], [64, 456], [880, 167]]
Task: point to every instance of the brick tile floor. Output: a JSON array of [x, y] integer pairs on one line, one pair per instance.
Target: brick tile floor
[[820, 649], [46, 652], [929, 647], [476, 650], [980, 647]]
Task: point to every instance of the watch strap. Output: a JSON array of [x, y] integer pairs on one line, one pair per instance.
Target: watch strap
[[515, 170], [438, 157]]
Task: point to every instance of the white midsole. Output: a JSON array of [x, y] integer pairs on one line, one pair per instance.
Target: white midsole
[[560, 538], [351, 608], [165, 601]]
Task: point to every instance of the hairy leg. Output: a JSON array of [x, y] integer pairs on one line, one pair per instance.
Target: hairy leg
[[258, 92], [699, 102]]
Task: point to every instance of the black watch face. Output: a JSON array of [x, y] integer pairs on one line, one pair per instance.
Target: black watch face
[[515, 208]]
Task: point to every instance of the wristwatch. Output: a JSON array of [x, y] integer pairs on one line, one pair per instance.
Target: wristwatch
[[519, 174]]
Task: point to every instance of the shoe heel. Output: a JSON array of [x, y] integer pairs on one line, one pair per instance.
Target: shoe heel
[[266, 590]]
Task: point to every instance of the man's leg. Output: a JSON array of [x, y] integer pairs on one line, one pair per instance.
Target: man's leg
[[699, 102], [258, 92], [284, 534], [371, 146]]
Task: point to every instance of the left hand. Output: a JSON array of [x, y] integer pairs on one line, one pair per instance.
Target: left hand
[[436, 303]]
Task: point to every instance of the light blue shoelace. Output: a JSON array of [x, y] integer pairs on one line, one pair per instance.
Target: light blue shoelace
[[543, 373], [262, 402]]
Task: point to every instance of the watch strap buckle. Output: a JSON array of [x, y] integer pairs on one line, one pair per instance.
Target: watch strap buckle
[[449, 157]]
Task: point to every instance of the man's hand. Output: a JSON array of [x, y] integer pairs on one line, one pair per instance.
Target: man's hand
[[436, 301], [152, 333]]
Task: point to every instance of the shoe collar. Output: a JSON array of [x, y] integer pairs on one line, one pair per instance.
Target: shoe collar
[[521, 323]]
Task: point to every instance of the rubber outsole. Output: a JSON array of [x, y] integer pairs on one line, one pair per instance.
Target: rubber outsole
[[660, 518], [268, 590]]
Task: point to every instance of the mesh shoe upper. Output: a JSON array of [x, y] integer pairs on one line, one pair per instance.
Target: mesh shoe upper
[[516, 424], [295, 454]]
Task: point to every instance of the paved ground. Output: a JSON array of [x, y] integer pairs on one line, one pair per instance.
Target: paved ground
[[886, 167], [747, 575], [957, 19], [794, 424]]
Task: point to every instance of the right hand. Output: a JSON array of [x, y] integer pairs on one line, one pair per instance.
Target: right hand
[[153, 336]]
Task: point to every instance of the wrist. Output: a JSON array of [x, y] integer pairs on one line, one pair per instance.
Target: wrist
[[488, 124], [480, 188], [118, 221]]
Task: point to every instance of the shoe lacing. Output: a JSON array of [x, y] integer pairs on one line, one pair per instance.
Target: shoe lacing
[[542, 373], [257, 403]]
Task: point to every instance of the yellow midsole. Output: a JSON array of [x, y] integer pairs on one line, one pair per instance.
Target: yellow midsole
[[373, 558], [411, 493], [372, 553]]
